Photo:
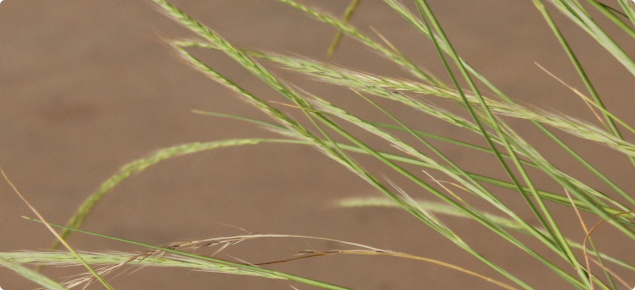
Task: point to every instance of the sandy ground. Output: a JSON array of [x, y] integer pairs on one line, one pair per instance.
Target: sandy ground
[[87, 86]]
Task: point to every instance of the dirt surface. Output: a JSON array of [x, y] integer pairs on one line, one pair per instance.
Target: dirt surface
[[88, 86]]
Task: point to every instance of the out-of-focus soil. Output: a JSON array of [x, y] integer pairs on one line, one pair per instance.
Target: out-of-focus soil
[[88, 86]]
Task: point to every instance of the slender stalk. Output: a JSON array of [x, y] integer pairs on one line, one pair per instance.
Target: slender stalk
[[612, 13], [347, 17], [213, 260]]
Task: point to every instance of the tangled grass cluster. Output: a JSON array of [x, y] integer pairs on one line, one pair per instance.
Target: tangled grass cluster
[[586, 266]]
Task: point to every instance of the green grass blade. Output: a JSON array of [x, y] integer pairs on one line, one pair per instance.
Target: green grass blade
[[597, 254], [576, 64], [241, 118], [628, 9], [347, 17], [31, 275], [607, 7], [610, 13]]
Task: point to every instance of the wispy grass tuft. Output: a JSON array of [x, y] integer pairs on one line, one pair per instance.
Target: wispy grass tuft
[[325, 129]]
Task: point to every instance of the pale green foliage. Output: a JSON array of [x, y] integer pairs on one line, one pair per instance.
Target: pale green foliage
[[38, 278], [485, 120]]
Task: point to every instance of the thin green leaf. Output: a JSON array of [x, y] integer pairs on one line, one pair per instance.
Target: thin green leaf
[[628, 9], [610, 13], [30, 274], [347, 17]]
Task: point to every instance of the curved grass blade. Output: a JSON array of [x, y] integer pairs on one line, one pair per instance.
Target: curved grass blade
[[143, 163]]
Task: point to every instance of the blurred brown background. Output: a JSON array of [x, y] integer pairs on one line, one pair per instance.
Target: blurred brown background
[[88, 86]]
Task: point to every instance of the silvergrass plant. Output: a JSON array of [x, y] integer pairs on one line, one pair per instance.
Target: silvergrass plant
[[326, 123]]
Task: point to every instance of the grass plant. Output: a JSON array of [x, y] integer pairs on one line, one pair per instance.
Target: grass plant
[[581, 265]]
